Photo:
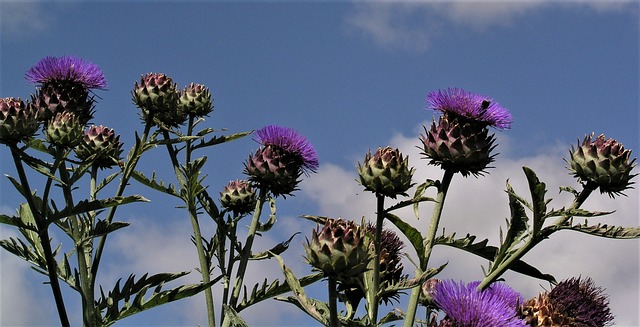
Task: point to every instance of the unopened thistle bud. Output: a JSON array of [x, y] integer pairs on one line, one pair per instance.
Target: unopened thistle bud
[[338, 249], [386, 172], [283, 157], [17, 120], [195, 99], [157, 95], [65, 129], [100, 145], [239, 197], [602, 163]]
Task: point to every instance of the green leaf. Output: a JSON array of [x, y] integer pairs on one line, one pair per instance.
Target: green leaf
[[538, 190], [482, 250], [220, 139], [235, 319], [272, 218], [516, 227], [154, 183], [265, 291], [576, 212], [106, 181], [18, 222], [85, 206], [412, 234], [406, 203], [604, 230], [569, 189], [420, 189], [104, 227], [277, 249]]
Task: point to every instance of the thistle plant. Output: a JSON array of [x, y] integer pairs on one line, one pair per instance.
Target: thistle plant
[[361, 262]]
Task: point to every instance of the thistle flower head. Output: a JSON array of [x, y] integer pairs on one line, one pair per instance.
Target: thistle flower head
[[17, 120], [67, 69], [338, 249], [603, 163], [157, 95], [64, 129], [195, 99], [583, 301], [386, 172], [292, 143], [100, 145], [473, 107], [239, 197], [465, 306], [283, 157]]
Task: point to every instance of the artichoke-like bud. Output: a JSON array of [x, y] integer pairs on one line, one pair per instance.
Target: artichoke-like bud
[[17, 120], [65, 129], [239, 197], [157, 95], [55, 97], [338, 249], [459, 145], [386, 172], [573, 302], [100, 145], [195, 99], [283, 157], [602, 163]]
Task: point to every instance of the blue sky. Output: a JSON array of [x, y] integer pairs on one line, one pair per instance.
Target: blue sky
[[351, 76]]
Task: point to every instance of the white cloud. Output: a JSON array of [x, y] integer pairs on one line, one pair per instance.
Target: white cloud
[[480, 207], [415, 25], [23, 18]]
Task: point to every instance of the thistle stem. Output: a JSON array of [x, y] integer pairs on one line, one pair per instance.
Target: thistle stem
[[428, 244], [190, 202], [375, 283], [333, 305], [534, 240], [43, 234]]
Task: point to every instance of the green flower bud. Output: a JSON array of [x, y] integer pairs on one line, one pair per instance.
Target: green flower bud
[[338, 249], [101, 146], [195, 99], [65, 129], [239, 197], [17, 120], [157, 94], [387, 172], [602, 163]]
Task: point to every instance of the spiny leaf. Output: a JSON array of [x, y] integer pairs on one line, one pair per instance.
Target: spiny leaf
[[233, 316], [277, 249], [538, 190], [604, 230], [577, 212], [154, 183], [17, 221], [414, 236], [85, 206], [267, 290], [220, 139], [406, 203], [106, 181]]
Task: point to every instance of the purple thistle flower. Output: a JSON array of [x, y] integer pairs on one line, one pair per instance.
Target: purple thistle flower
[[583, 301], [465, 306], [290, 141], [471, 106], [67, 68]]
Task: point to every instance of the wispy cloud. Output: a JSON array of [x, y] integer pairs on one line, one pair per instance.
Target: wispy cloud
[[20, 19], [415, 26]]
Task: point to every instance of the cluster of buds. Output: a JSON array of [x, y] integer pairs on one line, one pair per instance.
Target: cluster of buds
[[573, 302], [101, 146], [386, 172], [602, 163], [338, 249], [17, 120], [239, 197], [460, 140], [281, 160]]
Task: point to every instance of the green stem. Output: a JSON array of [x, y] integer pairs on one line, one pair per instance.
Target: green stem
[[43, 234], [133, 158], [190, 202], [333, 306], [373, 300], [428, 244], [534, 240], [246, 250]]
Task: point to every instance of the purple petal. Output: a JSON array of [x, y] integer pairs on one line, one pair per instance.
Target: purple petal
[[470, 105], [67, 68], [291, 141]]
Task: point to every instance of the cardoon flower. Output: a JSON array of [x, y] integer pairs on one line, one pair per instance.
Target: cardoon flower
[[573, 302], [386, 172], [158, 95], [602, 163], [195, 99], [100, 145], [338, 249], [460, 140], [239, 197], [17, 120], [65, 83], [465, 306], [283, 157], [476, 108]]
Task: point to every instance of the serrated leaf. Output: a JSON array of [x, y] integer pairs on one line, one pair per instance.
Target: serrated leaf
[[154, 183], [267, 290], [604, 230], [85, 206], [577, 212], [569, 189], [406, 203], [538, 190], [220, 139], [412, 234], [18, 222], [516, 226], [106, 181], [234, 318], [272, 217]]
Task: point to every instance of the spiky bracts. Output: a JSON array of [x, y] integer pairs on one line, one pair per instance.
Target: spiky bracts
[[195, 99], [101, 146], [386, 172], [338, 249], [239, 197], [18, 121], [602, 163], [283, 157]]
